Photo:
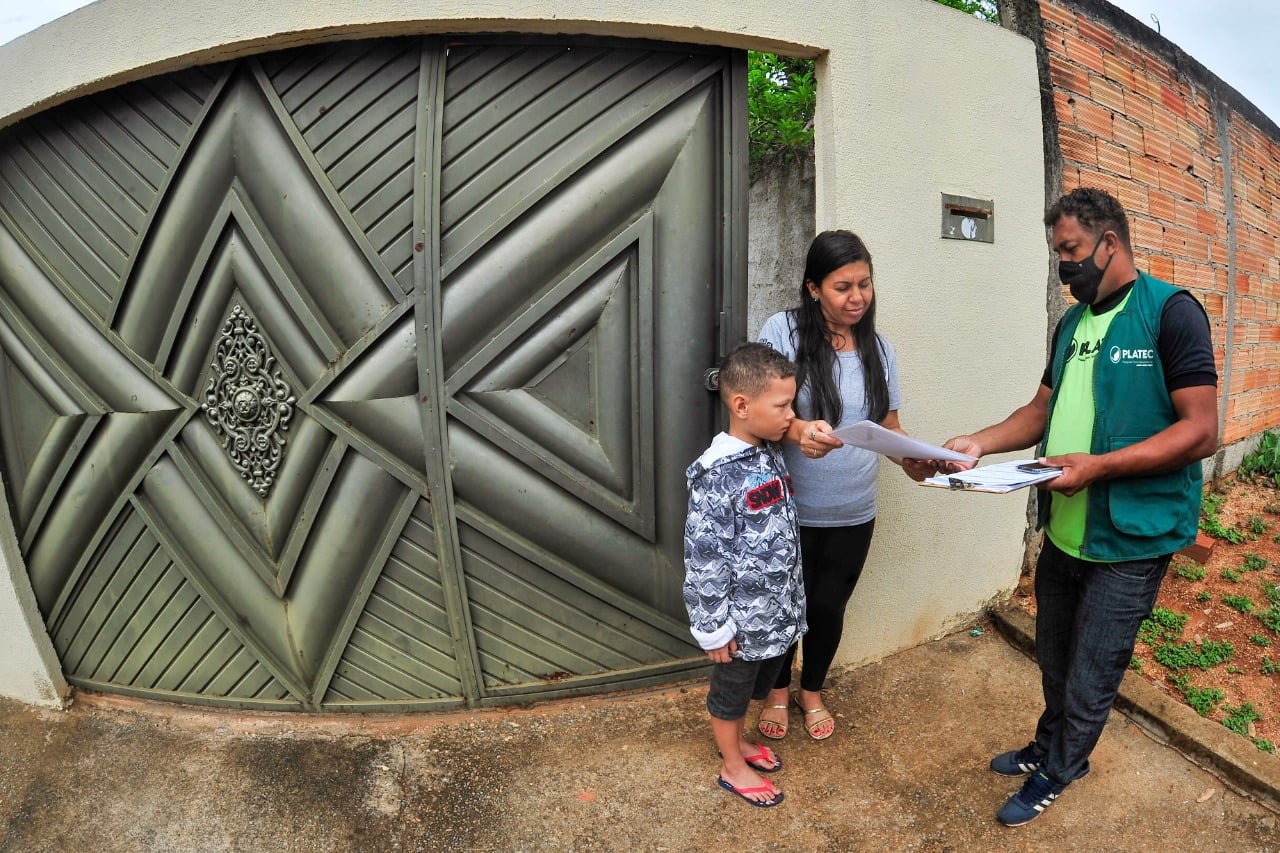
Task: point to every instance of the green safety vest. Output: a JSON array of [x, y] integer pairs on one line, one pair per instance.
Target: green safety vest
[[1131, 518]]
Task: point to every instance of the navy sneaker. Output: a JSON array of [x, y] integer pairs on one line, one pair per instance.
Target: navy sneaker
[[1036, 795], [1018, 762]]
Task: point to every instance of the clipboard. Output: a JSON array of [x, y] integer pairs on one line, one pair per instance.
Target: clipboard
[[1000, 478]]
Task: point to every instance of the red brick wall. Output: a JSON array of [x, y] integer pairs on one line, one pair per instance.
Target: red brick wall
[[1255, 372], [1137, 119]]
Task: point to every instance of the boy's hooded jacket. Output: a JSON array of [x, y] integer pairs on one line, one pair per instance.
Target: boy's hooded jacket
[[742, 551]]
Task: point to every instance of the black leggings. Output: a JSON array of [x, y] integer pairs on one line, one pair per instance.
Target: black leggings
[[833, 559]]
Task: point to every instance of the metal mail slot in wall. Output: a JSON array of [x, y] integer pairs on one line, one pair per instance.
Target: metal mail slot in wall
[[968, 218]]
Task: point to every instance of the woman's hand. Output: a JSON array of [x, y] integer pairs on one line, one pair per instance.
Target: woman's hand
[[918, 469], [815, 438]]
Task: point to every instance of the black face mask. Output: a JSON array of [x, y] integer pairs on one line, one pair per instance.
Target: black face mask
[[1083, 277]]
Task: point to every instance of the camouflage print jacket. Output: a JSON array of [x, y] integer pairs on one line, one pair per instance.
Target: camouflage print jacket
[[742, 551]]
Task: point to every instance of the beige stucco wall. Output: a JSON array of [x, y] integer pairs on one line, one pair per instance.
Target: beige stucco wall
[[914, 100], [944, 103], [29, 668]]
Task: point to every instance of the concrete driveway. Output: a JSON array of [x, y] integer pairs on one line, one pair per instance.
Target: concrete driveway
[[906, 770]]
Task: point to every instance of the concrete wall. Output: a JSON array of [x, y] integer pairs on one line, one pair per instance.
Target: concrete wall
[[779, 231], [905, 113], [29, 668]]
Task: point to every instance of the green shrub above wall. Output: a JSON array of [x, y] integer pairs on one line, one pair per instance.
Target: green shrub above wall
[[985, 9], [781, 94]]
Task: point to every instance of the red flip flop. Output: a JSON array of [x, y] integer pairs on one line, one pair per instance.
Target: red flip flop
[[742, 792], [765, 755]]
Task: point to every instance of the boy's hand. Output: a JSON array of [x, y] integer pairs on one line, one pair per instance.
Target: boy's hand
[[725, 653]]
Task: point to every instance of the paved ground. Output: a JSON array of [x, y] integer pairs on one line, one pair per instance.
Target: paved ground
[[905, 771]]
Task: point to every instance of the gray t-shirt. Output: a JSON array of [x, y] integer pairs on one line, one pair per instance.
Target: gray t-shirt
[[840, 489]]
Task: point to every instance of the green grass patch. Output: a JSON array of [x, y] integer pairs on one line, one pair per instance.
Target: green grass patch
[[1190, 571], [1163, 624], [1271, 591], [1231, 575], [1253, 563], [1264, 745], [1135, 664], [1261, 640], [1211, 523], [1243, 603], [1203, 655], [1270, 617], [1239, 717], [1203, 699], [1203, 595], [1269, 667], [1256, 526]]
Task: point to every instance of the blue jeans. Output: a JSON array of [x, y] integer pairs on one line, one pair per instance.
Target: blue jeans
[[1087, 621]]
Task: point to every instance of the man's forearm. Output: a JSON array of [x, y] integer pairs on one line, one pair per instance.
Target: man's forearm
[[1024, 428]]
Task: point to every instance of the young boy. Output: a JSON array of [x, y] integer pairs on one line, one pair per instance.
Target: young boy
[[743, 585]]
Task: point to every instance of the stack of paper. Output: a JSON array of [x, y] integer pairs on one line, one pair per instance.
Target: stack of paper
[[998, 478], [871, 436]]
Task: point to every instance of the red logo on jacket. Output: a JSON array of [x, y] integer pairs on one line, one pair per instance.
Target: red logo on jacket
[[768, 494]]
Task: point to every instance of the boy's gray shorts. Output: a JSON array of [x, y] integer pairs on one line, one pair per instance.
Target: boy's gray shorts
[[736, 683]]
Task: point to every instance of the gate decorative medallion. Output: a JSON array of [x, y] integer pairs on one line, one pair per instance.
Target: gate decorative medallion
[[247, 401], [363, 375]]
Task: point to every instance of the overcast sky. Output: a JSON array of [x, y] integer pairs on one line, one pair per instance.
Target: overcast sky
[[19, 16], [1235, 39]]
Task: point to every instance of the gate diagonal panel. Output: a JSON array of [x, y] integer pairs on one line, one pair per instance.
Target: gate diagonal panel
[[576, 186], [211, 389], [79, 183]]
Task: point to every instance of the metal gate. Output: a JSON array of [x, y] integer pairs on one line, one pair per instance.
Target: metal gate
[[364, 374]]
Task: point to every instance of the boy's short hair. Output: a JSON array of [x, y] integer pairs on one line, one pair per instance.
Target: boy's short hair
[[1096, 210], [750, 368]]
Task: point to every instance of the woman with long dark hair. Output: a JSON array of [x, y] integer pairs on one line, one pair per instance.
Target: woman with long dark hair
[[846, 373]]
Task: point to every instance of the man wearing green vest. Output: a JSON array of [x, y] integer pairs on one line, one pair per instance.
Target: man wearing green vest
[[1127, 407]]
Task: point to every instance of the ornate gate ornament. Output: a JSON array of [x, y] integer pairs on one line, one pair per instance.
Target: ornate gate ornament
[[248, 402]]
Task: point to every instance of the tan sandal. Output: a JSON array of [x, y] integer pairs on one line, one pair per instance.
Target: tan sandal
[[782, 726], [809, 726]]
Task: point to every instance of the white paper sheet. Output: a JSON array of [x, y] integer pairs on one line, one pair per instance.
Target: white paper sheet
[[999, 478], [871, 436]]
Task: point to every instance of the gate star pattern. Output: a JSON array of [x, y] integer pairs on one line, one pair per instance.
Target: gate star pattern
[[265, 445]]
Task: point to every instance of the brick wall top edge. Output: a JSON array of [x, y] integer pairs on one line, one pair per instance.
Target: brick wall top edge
[[1130, 27]]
